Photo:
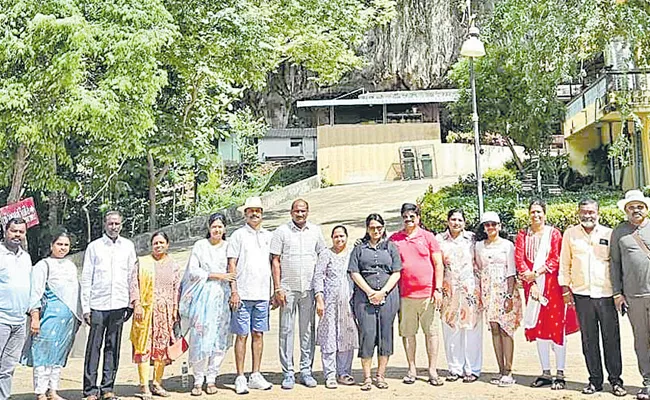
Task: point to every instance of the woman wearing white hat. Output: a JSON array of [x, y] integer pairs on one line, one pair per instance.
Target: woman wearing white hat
[[495, 258]]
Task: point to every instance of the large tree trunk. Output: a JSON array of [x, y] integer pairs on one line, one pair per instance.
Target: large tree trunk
[[18, 176], [154, 180], [53, 201], [153, 223]]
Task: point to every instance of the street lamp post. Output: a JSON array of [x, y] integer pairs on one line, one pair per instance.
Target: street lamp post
[[474, 48]]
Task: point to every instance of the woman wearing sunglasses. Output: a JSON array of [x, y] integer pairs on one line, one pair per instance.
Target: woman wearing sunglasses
[[495, 259]]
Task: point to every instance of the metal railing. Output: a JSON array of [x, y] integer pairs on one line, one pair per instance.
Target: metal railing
[[596, 94]]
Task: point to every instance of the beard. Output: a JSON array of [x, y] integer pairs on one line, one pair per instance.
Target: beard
[[586, 223]]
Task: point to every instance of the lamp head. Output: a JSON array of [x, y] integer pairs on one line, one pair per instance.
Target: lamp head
[[473, 47]]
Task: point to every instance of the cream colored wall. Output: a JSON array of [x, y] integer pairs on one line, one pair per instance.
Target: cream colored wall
[[579, 145], [366, 153]]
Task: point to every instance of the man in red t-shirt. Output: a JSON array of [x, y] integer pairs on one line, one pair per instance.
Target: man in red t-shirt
[[420, 289]]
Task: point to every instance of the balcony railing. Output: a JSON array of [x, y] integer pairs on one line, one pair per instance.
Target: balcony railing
[[636, 82]]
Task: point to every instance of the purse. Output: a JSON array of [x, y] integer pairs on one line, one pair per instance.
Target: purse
[[180, 345]]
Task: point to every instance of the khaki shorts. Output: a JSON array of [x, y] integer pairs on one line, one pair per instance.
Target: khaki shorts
[[418, 312]]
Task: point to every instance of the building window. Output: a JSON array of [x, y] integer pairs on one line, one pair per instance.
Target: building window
[[296, 142]]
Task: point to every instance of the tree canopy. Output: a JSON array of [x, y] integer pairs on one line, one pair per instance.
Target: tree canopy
[[534, 46]]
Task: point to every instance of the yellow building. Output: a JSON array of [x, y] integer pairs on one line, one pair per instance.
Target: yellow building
[[594, 118]]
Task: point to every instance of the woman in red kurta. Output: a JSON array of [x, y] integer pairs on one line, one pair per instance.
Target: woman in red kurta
[[547, 319]]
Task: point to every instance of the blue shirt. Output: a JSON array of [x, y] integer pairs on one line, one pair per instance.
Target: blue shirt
[[15, 285]]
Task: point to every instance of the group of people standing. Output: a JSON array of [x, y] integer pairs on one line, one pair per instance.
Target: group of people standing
[[458, 279]]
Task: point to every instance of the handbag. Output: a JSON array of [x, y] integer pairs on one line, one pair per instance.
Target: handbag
[[180, 345]]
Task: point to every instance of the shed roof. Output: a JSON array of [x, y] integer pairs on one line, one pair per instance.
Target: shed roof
[[397, 97], [291, 133]]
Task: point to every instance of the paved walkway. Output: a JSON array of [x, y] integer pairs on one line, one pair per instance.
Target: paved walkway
[[349, 205]]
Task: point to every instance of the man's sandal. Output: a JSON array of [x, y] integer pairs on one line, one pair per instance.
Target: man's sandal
[[366, 385], [380, 382]]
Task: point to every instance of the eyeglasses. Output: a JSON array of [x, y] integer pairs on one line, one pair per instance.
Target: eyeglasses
[[490, 224], [408, 217], [375, 228]]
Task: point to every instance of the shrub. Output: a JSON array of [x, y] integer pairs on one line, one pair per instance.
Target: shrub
[[501, 196]]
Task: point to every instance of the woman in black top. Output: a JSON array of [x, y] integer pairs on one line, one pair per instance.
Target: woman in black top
[[375, 267]]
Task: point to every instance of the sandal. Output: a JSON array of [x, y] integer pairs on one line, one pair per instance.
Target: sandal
[[41, 397], [507, 381], [618, 390], [159, 391], [330, 383], [380, 383], [408, 379], [346, 380], [541, 381], [211, 388], [452, 378], [52, 395], [470, 378], [643, 394], [144, 393], [366, 385], [436, 381], [558, 384], [91, 397], [196, 391], [591, 389], [496, 380]]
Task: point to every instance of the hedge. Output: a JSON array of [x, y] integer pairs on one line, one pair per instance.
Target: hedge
[[502, 194]]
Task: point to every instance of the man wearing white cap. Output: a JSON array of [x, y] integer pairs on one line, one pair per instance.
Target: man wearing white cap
[[630, 272], [249, 257]]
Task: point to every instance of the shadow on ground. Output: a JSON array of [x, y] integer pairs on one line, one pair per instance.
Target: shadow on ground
[[225, 383]]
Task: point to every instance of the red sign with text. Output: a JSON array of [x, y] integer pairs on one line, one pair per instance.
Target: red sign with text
[[24, 209]]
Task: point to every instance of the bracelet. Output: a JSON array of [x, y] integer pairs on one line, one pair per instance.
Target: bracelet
[[566, 294], [278, 290]]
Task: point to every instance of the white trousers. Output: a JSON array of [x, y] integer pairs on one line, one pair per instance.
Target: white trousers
[[544, 351], [464, 349], [46, 378], [208, 369]]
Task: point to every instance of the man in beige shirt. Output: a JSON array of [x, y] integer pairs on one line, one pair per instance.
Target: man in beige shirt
[[585, 272]]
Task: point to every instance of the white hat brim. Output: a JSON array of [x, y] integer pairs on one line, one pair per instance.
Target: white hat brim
[[622, 203]]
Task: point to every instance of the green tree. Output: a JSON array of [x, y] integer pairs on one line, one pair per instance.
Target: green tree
[[532, 47], [83, 72]]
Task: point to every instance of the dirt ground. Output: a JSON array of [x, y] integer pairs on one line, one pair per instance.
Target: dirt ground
[[349, 205]]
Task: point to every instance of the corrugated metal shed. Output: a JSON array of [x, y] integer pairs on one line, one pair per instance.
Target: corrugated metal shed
[[291, 133]]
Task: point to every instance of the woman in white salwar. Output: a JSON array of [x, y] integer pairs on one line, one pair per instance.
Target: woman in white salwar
[[205, 291], [55, 311], [461, 312]]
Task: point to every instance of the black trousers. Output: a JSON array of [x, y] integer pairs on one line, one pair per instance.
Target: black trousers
[[598, 318], [106, 332]]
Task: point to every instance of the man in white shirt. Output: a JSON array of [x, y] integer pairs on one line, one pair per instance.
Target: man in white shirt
[[295, 248], [105, 302], [249, 257], [15, 285]]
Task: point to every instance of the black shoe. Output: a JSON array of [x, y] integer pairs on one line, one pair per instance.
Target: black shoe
[[591, 389]]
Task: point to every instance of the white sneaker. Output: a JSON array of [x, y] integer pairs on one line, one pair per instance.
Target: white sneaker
[[241, 385], [257, 381]]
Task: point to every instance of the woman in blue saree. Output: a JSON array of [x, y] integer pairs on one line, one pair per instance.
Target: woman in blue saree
[[55, 313]]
